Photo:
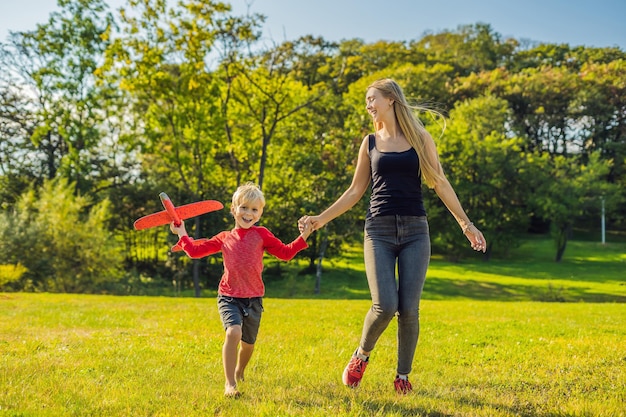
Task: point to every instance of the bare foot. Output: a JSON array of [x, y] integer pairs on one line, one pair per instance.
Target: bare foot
[[239, 377], [231, 391]]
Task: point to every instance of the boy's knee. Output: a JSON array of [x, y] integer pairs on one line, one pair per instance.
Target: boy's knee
[[234, 332]]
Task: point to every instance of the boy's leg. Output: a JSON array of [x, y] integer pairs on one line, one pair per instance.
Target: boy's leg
[[245, 353], [231, 316], [229, 354], [253, 310]]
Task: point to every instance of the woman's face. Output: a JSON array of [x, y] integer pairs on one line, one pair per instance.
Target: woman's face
[[379, 107]]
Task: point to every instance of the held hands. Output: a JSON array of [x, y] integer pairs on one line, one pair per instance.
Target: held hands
[[305, 227], [311, 223], [476, 238]]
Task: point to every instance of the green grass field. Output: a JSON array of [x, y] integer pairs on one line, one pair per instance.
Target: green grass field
[[590, 272], [521, 337]]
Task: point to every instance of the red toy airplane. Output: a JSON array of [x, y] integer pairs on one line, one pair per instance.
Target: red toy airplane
[[176, 214]]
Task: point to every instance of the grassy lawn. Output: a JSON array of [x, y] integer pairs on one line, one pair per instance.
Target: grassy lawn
[[590, 272], [490, 345]]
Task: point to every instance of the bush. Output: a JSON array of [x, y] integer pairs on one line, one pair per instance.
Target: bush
[[61, 239], [11, 273]]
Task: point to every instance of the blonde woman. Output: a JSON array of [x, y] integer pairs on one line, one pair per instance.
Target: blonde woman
[[394, 160]]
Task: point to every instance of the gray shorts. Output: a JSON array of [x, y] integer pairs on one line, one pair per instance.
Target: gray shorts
[[244, 312]]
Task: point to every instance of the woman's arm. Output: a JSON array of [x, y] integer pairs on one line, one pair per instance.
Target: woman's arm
[[448, 196], [351, 196]]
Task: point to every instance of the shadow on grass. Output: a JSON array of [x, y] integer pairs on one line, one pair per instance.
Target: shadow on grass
[[446, 289], [597, 271], [345, 283], [402, 408], [475, 403], [378, 408]]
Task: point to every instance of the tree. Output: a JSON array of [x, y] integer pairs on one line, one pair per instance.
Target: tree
[[565, 102], [267, 96], [565, 191], [18, 167], [166, 61], [490, 173], [57, 61], [62, 240], [469, 49], [602, 107]]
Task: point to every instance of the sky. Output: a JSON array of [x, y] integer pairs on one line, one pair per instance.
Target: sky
[[597, 23]]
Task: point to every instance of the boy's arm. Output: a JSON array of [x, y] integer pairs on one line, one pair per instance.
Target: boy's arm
[[277, 248], [196, 248]]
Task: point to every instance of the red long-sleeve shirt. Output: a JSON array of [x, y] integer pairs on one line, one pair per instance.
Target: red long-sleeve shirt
[[242, 250]]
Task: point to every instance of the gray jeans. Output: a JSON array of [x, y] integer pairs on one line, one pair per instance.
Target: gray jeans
[[391, 242]]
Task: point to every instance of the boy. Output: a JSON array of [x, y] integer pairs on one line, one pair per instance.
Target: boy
[[241, 289]]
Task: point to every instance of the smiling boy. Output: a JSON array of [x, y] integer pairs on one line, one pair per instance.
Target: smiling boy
[[241, 288]]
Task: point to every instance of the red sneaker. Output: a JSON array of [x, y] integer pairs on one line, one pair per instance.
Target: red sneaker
[[403, 386], [354, 371]]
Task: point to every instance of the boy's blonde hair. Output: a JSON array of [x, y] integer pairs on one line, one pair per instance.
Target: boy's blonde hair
[[413, 129], [246, 193]]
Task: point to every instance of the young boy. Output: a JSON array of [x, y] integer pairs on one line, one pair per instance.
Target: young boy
[[241, 289]]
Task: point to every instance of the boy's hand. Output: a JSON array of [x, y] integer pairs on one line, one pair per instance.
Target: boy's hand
[[312, 221], [178, 230], [306, 229]]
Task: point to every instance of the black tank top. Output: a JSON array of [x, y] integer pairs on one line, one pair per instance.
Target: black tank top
[[396, 183]]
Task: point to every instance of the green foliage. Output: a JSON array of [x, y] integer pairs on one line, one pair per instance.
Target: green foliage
[[263, 100], [61, 239], [602, 104], [58, 61], [490, 174], [470, 48], [185, 97], [11, 273], [165, 61], [565, 190]]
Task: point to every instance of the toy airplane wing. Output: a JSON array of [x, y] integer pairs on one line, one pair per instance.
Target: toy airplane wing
[[176, 214]]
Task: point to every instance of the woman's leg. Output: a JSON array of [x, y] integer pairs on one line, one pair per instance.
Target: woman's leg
[[379, 252], [413, 260]]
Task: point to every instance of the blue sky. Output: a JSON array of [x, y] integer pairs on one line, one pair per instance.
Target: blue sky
[[599, 23]]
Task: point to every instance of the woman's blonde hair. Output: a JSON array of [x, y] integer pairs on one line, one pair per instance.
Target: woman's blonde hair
[[246, 193], [412, 127]]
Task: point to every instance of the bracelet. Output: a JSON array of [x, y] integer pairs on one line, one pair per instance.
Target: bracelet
[[467, 226]]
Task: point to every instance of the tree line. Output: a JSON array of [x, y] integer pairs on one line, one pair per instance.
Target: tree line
[[102, 110]]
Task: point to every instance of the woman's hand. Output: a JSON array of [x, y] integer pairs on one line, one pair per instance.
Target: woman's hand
[[312, 221], [476, 238], [305, 230]]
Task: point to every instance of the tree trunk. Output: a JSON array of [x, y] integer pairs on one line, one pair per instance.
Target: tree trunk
[[318, 274], [561, 243]]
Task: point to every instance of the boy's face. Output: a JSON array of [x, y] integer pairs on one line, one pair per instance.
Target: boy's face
[[247, 213]]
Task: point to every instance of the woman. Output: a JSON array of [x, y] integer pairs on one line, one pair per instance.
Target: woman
[[395, 158]]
